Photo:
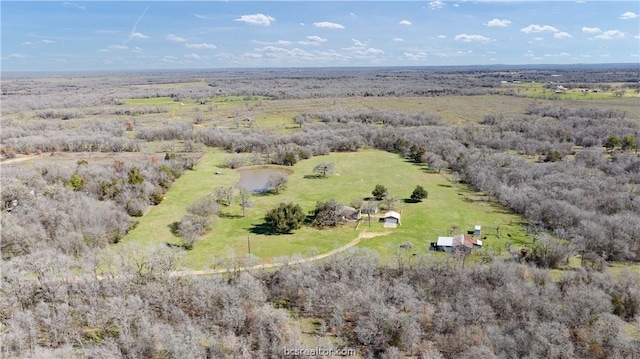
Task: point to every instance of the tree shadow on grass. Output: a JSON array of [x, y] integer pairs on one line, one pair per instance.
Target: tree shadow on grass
[[313, 177], [429, 170], [176, 245], [409, 200], [265, 193], [229, 215], [174, 228], [268, 230], [264, 228]]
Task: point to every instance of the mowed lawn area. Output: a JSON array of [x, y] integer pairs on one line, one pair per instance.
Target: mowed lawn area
[[356, 175]]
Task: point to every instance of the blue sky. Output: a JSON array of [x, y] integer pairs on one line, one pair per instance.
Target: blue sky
[[131, 35]]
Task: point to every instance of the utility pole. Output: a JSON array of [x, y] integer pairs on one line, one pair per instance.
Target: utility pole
[[249, 244]]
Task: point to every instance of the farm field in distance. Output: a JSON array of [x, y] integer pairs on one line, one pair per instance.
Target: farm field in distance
[[118, 239]]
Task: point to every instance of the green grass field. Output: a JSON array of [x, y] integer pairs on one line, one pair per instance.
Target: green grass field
[[537, 90], [356, 175]]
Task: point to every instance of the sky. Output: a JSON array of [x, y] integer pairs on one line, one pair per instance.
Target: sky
[[138, 35]]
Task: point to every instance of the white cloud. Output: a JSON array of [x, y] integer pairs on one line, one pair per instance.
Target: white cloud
[[538, 38], [316, 39], [414, 56], [442, 37], [134, 34], [16, 56], [562, 35], [203, 45], [196, 57], [359, 43], [328, 25], [372, 51], [398, 39], [279, 55], [117, 47], [611, 35], [470, 38], [172, 37], [591, 30], [405, 22], [107, 32], [279, 42], [73, 5], [256, 19], [313, 40], [629, 15], [27, 43], [538, 28], [437, 4], [498, 22], [45, 41], [362, 49], [138, 35]]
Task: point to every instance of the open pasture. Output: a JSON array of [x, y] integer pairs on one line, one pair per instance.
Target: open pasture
[[357, 173]]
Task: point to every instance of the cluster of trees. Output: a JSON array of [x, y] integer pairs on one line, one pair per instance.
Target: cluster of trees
[[433, 308], [73, 210], [198, 217], [193, 224]]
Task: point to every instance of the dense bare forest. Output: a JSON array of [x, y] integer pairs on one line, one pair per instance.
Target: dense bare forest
[[570, 167]]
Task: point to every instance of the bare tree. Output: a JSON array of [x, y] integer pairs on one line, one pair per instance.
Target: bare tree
[[245, 200], [324, 168], [390, 201], [277, 182]]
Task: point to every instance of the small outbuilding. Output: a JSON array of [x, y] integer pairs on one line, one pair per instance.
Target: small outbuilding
[[477, 230], [391, 219]]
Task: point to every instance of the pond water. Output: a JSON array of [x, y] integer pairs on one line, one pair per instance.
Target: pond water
[[255, 179]]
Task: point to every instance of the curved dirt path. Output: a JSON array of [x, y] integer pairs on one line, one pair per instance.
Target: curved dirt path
[[362, 235], [189, 273]]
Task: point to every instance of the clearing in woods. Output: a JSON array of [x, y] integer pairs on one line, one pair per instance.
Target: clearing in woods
[[448, 205]]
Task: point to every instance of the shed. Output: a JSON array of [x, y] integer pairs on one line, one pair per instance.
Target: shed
[[477, 230], [391, 219], [445, 242], [448, 244]]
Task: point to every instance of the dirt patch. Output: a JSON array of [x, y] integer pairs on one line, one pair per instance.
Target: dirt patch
[[367, 235]]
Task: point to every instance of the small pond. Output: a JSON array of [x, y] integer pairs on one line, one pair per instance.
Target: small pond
[[255, 179]]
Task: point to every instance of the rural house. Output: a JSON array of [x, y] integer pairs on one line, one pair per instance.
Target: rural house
[[449, 244]]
